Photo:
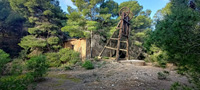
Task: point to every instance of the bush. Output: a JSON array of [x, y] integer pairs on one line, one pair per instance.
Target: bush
[[37, 66], [157, 56], [4, 59], [162, 76], [17, 67], [88, 65], [64, 56], [68, 68], [53, 59], [179, 86], [68, 55], [16, 82]]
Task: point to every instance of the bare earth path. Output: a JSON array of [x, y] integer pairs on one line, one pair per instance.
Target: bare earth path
[[110, 76]]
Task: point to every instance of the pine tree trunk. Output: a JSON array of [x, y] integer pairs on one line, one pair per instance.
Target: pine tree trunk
[[91, 46]]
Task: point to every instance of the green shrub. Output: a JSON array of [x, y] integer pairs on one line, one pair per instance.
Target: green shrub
[[157, 56], [37, 66], [19, 82], [68, 68], [175, 86], [17, 67], [64, 56], [88, 65], [53, 59], [161, 76], [179, 86], [4, 59], [69, 56]]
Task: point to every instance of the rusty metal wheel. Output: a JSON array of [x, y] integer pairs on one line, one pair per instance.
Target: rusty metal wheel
[[125, 10], [130, 15]]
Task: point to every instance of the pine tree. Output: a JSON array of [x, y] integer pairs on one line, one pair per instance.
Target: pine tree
[[109, 7], [178, 35], [45, 18], [11, 28]]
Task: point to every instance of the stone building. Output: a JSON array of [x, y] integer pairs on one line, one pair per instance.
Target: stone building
[[79, 45], [83, 46]]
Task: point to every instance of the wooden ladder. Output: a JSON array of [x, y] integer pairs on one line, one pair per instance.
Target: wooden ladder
[[124, 28]]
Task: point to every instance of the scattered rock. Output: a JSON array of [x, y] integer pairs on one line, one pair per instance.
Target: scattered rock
[[113, 85], [121, 77]]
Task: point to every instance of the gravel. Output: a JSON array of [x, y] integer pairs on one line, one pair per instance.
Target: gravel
[[111, 76]]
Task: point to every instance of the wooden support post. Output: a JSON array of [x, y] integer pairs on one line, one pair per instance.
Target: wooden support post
[[110, 50], [127, 48], [119, 38], [127, 29]]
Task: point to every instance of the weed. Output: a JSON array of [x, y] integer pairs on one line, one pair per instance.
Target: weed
[[105, 57], [88, 65], [161, 76]]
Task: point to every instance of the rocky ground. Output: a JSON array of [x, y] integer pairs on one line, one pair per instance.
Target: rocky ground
[[110, 76]]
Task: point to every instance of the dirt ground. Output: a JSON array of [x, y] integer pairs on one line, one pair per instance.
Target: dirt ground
[[110, 76]]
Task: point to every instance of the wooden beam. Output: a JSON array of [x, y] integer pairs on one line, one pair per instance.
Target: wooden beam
[[115, 48], [114, 38], [110, 48], [123, 50], [124, 41], [117, 39]]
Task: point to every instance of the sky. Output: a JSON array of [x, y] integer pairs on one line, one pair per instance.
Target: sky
[[153, 5]]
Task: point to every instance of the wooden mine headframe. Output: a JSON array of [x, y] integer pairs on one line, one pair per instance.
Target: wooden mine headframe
[[124, 31]]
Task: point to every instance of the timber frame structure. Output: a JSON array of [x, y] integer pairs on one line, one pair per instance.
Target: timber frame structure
[[124, 31]]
